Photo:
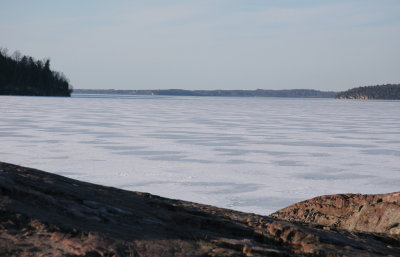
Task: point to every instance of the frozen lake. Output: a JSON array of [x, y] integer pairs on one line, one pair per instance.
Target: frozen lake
[[249, 154]]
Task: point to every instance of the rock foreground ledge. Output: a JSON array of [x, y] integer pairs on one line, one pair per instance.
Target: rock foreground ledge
[[43, 214], [378, 213]]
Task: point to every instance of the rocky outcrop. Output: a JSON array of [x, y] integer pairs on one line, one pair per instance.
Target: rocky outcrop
[[43, 214], [378, 213], [362, 97]]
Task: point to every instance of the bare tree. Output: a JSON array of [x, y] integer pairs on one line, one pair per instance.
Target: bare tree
[[16, 56], [4, 51]]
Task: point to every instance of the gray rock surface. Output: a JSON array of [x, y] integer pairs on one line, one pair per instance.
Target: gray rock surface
[[43, 214]]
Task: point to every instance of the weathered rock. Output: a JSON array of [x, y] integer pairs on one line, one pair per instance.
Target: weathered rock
[[378, 213], [43, 214]]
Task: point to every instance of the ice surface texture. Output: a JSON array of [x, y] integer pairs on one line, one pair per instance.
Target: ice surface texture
[[249, 154]]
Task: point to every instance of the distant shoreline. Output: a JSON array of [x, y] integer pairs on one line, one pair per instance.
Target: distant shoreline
[[296, 93]]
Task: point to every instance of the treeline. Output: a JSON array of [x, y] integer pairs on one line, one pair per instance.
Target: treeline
[[386, 92], [23, 75], [303, 93]]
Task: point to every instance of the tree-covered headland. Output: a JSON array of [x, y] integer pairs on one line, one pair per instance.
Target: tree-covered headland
[[24, 75], [386, 92]]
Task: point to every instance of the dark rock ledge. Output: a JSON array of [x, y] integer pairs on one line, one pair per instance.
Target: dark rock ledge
[[43, 214]]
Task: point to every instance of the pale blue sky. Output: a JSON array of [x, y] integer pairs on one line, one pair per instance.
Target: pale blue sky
[[224, 44]]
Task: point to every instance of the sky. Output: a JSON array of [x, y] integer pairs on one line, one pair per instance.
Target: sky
[[220, 44]]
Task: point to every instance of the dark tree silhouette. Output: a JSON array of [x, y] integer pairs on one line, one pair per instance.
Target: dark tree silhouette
[[23, 75], [387, 92]]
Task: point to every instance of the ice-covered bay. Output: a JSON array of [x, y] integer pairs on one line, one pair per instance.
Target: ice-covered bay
[[249, 154]]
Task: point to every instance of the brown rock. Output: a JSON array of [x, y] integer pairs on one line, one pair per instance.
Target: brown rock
[[43, 214], [378, 213]]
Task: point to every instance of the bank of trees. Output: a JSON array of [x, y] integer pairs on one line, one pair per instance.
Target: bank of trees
[[301, 93], [24, 75], [388, 92]]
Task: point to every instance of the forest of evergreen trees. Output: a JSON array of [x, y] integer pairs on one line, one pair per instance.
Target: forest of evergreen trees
[[23, 75], [387, 92]]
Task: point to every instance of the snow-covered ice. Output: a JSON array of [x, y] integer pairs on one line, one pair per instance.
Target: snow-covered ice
[[249, 154]]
